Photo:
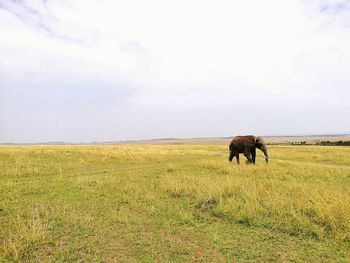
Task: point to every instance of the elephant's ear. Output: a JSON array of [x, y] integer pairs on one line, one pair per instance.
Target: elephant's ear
[[258, 141]]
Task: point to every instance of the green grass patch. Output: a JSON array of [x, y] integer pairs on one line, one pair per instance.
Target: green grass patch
[[173, 203]]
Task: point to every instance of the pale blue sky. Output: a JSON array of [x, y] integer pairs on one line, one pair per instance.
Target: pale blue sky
[[88, 70]]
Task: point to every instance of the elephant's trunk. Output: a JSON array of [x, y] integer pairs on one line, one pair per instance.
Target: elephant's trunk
[[266, 155]]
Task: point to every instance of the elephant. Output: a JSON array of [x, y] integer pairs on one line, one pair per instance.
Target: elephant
[[247, 145]]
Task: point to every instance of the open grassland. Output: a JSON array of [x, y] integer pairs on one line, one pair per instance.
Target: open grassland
[[173, 203]]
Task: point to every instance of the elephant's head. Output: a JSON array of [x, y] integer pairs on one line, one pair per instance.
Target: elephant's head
[[260, 144]]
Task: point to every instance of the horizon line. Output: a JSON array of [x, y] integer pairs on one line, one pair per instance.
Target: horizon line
[[163, 139]]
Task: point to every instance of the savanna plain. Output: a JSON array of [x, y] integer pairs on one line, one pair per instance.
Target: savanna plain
[[173, 203]]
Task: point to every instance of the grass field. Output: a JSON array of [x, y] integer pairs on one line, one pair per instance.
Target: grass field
[[173, 203]]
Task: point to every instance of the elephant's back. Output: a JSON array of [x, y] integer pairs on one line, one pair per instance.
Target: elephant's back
[[239, 143], [243, 138]]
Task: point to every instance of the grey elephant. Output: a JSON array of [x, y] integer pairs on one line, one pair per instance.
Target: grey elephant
[[247, 145]]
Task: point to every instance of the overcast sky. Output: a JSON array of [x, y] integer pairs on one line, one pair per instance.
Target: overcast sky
[[99, 70]]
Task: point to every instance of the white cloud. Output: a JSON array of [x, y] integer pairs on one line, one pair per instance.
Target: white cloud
[[173, 56]]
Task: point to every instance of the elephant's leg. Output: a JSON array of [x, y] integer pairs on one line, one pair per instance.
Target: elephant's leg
[[247, 155], [253, 153], [237, 158], [232, 155]]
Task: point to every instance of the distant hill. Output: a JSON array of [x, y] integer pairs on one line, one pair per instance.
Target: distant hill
[[297, 140]]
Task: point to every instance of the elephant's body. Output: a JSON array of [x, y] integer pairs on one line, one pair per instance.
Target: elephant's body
[[247, 145]]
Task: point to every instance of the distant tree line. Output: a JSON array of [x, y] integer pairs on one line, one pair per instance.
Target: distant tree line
[[300, 143], [338, 143], [323, 143]]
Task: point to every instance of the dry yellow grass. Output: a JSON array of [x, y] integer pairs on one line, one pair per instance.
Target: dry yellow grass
[[293, 199]]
